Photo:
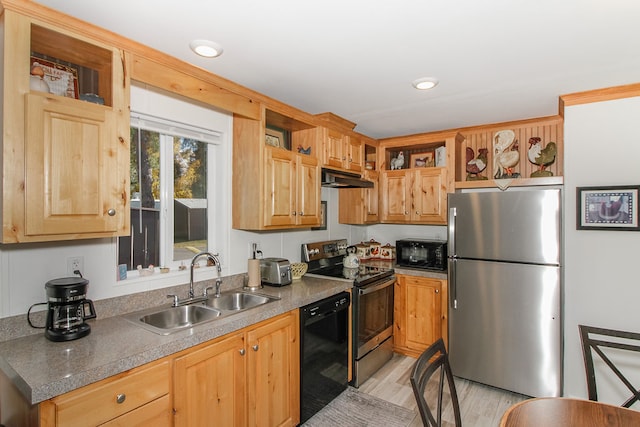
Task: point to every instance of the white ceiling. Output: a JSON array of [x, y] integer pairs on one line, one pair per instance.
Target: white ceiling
[[496, 60]]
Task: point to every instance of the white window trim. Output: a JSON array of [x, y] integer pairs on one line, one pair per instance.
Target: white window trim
[[168, 129]]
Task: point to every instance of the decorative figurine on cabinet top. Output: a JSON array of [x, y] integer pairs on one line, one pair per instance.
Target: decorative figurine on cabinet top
[[542, 157], [475, 165], [397, 162], [505, 154], [37, 81], [303, 150]]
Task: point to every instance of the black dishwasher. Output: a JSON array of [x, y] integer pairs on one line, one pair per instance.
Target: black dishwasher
[[324, 347]]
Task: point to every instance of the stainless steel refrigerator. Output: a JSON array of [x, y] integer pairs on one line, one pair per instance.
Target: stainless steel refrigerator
[[505, 289]]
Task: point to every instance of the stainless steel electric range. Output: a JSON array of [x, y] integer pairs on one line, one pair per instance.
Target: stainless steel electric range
[[372, 304]]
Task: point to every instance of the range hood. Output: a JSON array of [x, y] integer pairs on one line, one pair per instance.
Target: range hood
[[337, 179]]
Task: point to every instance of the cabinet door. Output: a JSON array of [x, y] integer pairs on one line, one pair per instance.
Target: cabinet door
[[334, 149], [359, 205], [355, 154], [395, 187], [417, 313], [308, 202], [429, 202], [371, 197], [71, 179], [274, 373], [280, 187], [209, 385]]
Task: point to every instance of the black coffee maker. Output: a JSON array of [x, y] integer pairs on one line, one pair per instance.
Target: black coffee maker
[[67, 309]]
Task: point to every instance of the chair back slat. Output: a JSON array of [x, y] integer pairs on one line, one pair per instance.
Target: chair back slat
[[434, 363], [594, 341]]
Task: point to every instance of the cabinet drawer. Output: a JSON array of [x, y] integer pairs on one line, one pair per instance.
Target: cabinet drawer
[[98, 403], [158, 413]]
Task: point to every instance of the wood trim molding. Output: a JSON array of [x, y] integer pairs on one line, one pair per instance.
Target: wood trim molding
[[598, 95]]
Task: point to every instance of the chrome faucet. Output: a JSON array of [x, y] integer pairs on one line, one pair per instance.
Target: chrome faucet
[[192, 295], [216, 261]]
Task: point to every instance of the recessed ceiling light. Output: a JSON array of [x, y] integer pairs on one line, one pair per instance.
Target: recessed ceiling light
[[206, 48], [425, 83]]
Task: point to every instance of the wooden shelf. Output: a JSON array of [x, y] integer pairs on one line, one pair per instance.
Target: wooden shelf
[[516, 182]]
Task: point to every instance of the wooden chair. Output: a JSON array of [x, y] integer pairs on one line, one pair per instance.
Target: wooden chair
[[598, 340], [434, 361]]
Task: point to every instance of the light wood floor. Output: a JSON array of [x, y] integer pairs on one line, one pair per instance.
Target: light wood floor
[[480, 405]]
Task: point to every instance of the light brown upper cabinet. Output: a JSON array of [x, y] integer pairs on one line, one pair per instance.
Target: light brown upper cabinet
[[415, 178], [342, 151], [414, 196], [360, 205], [65, 160], [276, 172]]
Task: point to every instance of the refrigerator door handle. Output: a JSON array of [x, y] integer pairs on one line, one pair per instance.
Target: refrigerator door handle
[[451, 244], [452, 283]]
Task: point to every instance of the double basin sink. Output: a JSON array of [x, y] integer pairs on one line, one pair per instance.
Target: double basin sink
[[166, 320]]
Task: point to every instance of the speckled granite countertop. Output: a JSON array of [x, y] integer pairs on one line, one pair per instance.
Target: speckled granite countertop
[[421, 272], [42, 369]]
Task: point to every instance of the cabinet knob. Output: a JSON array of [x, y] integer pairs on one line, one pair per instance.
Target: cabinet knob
[[437, 291], [111, 212], [295, 213], [121, 397], [406, 212], [242, 352], [417, 213], [255, 347], [301, 213]]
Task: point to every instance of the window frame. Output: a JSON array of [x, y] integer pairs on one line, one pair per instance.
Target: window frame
[[167, 130]]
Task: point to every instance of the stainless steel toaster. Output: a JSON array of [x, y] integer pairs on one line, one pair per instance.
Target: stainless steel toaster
[[275, 271]]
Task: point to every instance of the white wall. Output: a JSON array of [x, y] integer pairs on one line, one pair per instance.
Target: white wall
[[602, 268]]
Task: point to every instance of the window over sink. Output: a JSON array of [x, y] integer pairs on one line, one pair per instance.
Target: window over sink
[[170, 187]]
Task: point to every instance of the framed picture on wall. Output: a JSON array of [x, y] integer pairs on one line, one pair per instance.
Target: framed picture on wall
[[607, 208]]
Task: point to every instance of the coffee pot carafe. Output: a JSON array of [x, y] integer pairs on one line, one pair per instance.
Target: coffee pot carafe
[[67, 309]]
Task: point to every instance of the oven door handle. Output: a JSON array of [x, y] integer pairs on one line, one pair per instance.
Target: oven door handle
[[369, 289]]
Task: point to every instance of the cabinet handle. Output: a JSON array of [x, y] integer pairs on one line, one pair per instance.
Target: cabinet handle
[[255, 347], [121, 397], [242, 352], [111, 212]]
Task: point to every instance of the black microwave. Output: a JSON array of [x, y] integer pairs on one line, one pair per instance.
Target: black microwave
[[420, 253]]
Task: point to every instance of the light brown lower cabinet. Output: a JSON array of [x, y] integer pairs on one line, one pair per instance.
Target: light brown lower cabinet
[[139, 397], [419, 314], [249, 378]]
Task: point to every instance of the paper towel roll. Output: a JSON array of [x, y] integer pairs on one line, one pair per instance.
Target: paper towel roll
[[253, 267]]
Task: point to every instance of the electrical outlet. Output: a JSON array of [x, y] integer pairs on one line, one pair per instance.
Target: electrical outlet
[[75, 263], [257, 249]]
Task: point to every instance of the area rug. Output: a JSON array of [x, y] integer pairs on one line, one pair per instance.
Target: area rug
[[353, 408]]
